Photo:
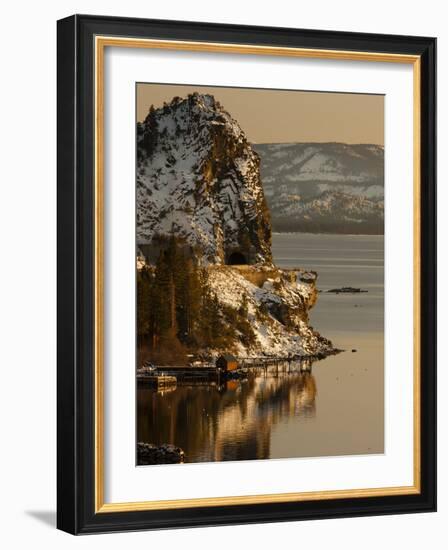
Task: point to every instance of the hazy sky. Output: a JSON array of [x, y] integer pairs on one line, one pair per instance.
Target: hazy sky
[[276, 116]]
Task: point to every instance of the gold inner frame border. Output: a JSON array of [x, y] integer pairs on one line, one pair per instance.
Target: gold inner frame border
[[101, 42]]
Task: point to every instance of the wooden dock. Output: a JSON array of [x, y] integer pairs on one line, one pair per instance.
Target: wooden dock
[[168, 375], [190, 374], [276, 365]]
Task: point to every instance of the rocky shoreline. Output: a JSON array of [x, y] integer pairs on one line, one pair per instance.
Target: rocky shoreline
[[150, 454], [205, 244]]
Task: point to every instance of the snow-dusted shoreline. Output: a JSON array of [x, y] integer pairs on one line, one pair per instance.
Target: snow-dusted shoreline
[[278, 303]]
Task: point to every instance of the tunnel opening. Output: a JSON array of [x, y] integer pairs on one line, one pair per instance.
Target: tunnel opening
[[237, 258]]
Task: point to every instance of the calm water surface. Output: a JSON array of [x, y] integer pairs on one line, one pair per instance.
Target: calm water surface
[[336, 409]]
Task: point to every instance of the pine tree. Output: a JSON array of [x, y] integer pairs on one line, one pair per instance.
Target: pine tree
[[163, 290], [177, 310], [144, 291]]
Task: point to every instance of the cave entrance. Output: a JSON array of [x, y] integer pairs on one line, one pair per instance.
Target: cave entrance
[[237, 258]]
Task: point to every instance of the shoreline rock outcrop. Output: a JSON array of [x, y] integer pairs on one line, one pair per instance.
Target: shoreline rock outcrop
[[149, 454]]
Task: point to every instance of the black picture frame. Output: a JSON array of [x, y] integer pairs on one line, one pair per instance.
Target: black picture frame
[[76, 512]]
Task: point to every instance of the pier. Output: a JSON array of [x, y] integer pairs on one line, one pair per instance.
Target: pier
[[277, 365], [169, 375]]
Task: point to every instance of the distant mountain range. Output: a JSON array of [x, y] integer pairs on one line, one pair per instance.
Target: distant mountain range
[[324, 187]]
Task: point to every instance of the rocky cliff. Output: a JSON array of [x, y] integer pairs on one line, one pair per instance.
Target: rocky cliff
[[278, 304], [199, 194], [199, 179]]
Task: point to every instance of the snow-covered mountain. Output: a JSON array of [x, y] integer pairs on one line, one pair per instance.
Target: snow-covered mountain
[[324, 187], [198, 178]]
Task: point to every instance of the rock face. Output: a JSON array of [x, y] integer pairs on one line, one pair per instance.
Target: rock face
[[199, 187], [278, 304], [324, 187], [199, 178]]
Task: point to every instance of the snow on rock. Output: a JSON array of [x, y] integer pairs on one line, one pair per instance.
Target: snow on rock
[[277, 306], [198, 177]]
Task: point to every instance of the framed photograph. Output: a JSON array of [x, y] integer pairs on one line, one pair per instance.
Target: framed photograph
[[246, 274]]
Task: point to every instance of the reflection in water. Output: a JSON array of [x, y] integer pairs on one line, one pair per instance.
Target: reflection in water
[[277, 417], [230, 422]]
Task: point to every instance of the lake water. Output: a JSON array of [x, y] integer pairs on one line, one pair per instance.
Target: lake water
[[336, 409]]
